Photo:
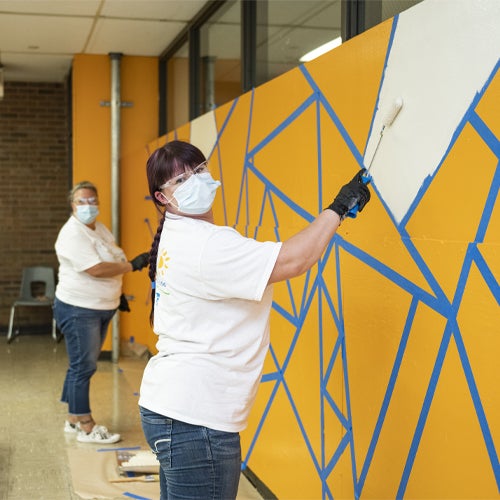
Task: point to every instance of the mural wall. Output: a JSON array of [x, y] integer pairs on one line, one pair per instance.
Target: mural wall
[[382, 377]]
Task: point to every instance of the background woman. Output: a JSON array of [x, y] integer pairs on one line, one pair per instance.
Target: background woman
[[91, 267], [212, 298]]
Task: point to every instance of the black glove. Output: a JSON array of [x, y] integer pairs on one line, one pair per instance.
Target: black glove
[[123, 303], [142, 260], [352, 194]]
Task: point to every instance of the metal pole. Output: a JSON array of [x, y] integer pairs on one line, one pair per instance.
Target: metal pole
[[209, 73], [115, 177]]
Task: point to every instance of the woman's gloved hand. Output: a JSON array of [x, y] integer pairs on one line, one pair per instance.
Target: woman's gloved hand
[[123, 306], [142, 260], [353, 193]]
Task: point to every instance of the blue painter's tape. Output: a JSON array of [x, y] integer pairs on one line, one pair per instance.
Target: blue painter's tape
[[120, 449], [132, 495], [269, 376], [285, 314], [283, 125], [478, 405], [281, 195], [431, 389], [389, 392], [487, 274]]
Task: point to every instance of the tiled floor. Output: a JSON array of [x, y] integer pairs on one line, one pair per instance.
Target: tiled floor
[[33, 448]]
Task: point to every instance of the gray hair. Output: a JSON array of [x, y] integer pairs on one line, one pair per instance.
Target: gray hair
[[81, 185]]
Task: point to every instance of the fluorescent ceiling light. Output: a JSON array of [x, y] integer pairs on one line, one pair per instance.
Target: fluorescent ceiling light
[[319, 51]]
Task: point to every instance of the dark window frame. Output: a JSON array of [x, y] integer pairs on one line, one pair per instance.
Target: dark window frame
[[355, 14], [191, 35]]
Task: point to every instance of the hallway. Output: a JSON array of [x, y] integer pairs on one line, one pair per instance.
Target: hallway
[[37, 460]]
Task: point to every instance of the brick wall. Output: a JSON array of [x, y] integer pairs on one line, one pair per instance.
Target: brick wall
[[34, 182]]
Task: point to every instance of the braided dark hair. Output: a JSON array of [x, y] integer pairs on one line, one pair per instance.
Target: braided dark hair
[[153, 254], [162, 165]]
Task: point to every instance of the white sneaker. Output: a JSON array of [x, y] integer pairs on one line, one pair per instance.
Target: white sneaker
[[70, 428], [99, 434]]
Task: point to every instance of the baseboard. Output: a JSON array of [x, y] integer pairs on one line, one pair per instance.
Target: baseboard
[[105, 356], [41, 329], [263, 490], [108, 355]]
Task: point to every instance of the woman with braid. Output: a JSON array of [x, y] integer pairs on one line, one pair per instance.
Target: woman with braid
[[212, 295]]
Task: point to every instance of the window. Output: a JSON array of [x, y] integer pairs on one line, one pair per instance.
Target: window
[[293, 29], [380, 10], [220, 57], [234, 45], [392, 7], [178, 88]]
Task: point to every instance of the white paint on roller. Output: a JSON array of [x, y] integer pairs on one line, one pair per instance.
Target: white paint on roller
[[393, 112], [386, 122], [204, 133], [442, 54]]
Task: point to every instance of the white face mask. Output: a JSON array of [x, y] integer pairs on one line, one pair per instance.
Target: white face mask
[[196, 195], [87, 213]]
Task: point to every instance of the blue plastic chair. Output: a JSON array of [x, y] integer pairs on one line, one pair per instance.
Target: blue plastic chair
[[37, 290]]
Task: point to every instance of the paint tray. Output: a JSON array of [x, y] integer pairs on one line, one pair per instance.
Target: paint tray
[[140, 461]]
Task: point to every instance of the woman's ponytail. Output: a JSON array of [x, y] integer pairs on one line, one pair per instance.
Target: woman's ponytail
[[153, 254]]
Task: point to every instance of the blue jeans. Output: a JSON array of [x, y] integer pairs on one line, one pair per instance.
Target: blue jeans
[[84, 332], [195, 462]]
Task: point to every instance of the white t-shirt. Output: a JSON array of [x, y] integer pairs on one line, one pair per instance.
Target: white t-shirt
[[212, 317], [78, 247]]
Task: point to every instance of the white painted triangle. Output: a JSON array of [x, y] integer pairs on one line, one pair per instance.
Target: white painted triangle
[[204, 133], [442, 55]]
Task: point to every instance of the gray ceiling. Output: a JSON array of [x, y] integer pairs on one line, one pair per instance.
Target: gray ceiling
[[38, 38]]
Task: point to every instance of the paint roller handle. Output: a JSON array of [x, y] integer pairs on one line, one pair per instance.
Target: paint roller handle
[[366, 179], [352, 197], [365, 176]]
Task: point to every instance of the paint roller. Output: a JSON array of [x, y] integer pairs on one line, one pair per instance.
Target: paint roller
[[387, 122]]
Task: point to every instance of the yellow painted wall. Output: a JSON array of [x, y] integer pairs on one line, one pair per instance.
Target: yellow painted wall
[[382, 378]]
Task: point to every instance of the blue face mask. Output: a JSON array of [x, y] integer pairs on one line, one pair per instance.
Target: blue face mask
[[196, 195], [87, 213]]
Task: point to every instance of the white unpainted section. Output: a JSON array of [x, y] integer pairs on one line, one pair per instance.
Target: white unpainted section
[[442, 54], [204, 133]]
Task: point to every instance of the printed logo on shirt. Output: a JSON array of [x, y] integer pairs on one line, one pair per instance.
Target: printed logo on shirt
[[161, 269], [162, 266]]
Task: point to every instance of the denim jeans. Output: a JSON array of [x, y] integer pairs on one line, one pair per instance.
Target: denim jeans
[[196, 462], [84, 332]]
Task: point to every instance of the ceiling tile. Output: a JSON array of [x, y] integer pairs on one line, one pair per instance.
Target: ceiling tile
[[141, 38], [57, 7], [61, 35], [173, 10]]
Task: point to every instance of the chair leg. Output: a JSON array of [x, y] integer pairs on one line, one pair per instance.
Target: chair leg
[[11, 324], [54, 333]]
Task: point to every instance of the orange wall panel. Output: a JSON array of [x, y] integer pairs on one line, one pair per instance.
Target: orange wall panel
[[382, 380], [92, 161]]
